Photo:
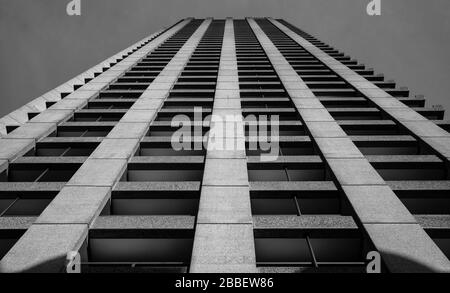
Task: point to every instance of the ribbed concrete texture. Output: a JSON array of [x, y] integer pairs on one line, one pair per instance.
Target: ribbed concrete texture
[[226, 146]]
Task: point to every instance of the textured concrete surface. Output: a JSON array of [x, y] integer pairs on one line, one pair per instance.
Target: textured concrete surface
[[128, 130], [43, 248], [338, 147], [223, 248], [408, 118], [325, 129], [116, 149], [33, 130], [13, 148], [88, 190], [226, 172], [373, 201], [224, 205], [377, 204], [144, 222], [304, 222], [223, 240], [407, 248], [16, 223], [98, 172], [355, 172], [52, 116], [225, 230], [89, 90], [75, 205]]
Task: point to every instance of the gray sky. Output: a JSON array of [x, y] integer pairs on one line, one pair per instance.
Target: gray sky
[[41, 47]]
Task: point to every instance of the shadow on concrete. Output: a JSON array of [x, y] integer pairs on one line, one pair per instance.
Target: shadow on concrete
[[397, 263]]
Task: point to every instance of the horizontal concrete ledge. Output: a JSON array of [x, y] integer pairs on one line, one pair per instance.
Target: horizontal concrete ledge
[[304, 222], [31, 186], [185, 186], [419, 185], [143, 226], [167, 160], [298, 138], [329, 186], [289, 186], [50, 160], [71, 140], [12, 225], [378, 159], [294, 269], [439, 224]]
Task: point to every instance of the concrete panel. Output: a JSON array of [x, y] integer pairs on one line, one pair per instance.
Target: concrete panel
[[225, 172], [43, 248], [406, 248], [52, 116], [139, 116], [315, 115], [425, 129], [227, 104], [21, 114], [405, 114], [99, 172], [33, 130], [148, 104], [124, 130], [223, 249], [312, 103], [355, 172], [143, 222], [10, 149], [377, 204], [224, 205], [39, 103], [69, 104], [338, 147], [111, 148], [75, 205], [441, 144], [325, 129]]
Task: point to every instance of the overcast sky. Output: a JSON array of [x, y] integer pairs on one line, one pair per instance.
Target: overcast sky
[[41, 47]]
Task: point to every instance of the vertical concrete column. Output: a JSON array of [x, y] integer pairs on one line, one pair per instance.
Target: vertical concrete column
[[422, 128], [23, 139], [224, 241], [403, 244], [63, 225]]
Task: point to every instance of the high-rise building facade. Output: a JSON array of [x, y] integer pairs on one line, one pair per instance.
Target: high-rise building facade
[[228, 146]]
